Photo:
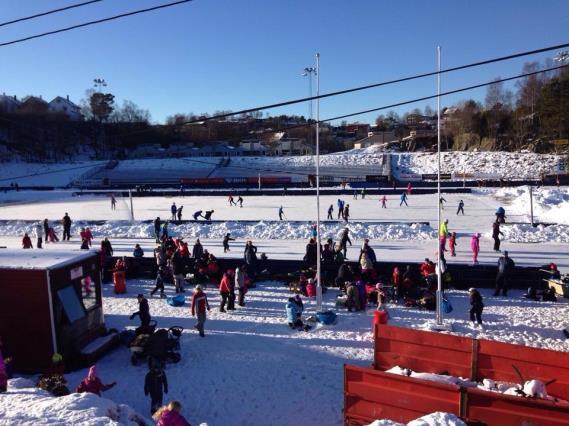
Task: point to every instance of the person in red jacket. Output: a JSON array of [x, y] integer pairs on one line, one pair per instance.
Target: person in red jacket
[[199, 307], [93, 384], [224, 289], [27, 242], [169, 415], [427, 268]]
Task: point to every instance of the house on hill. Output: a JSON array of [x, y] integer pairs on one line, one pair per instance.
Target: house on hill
[[60, 105]]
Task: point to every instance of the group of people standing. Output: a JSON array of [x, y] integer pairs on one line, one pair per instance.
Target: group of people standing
[[45, 233]]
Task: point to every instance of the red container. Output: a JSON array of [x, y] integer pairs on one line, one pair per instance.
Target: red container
[[120, 282], [380, 317]]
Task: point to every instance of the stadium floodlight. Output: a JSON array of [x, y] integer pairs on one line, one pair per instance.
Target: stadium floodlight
[[562, 56]]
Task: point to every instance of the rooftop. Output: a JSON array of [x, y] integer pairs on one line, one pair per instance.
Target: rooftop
[[41, 259]]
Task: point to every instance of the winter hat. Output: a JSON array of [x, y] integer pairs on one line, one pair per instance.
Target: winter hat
[[55, 358], [379, 286], [199, 287], [471, 289], [92, 373]]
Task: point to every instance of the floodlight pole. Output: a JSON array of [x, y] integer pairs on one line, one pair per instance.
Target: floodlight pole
[[131, 206], [318, 269], [439, 315]]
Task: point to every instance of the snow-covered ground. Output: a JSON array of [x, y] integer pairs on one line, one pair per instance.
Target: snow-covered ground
[[44, 174], [26, 405], [495, 165], [251, 369], [372, 160]]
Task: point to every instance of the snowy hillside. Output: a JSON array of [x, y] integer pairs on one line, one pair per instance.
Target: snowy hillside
[[507, 165], [40, 174]]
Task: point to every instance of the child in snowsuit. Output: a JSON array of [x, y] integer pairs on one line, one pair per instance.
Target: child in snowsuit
[[476, 306], [170, 415], [475, 247], [155, 384], [27, 242], [93, 384], [452, 244], [159, 283]]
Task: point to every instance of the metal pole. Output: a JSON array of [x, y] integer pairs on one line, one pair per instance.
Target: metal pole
[[259, 181], [531, 203], [318, 274], [439, 280], [131, 206]]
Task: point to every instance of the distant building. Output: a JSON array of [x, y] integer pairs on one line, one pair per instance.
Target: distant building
[[418, 120], [9, 103], [219, 150], [64, 106], [254, 148], [377, 138], [33, 105], [292, 146]]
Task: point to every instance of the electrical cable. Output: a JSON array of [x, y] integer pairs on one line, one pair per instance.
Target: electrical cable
[[98, 21], [371, 86], [49, 12]]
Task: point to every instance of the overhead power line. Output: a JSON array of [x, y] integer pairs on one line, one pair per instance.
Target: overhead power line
[[98, 21], [49, 12], [371, 86]]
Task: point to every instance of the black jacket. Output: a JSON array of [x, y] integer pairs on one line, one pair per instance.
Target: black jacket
[[505, 265], [154, 382], [197, 251], [476, 299], [143, 311]]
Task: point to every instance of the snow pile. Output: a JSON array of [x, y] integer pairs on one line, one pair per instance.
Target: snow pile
[[24, 404], [525, 233], [262, 230], [439, 378], [507, 165], [550, 205], [434, 419], [40, 174], [530, 389]]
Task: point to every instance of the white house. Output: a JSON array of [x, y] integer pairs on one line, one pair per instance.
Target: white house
[[254, 147], [9, 103], [292, 146], [62, 105]]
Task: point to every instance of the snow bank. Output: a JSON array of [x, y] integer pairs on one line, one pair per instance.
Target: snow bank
[[507, 165], [262, 230], [24, 404], [528, 234], [433, 419], [550, 205]]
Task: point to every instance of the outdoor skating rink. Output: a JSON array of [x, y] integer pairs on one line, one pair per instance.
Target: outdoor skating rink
[[250, 369]]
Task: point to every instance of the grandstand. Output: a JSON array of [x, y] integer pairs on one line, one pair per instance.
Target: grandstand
[[171, 172]]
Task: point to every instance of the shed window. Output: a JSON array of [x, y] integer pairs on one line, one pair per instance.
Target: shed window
[[88, 293], [71, 303]]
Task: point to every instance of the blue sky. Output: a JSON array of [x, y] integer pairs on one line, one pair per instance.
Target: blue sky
[[210, 55]]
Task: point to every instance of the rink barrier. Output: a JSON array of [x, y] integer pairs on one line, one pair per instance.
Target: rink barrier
[[373, 395], [463, 275], [419, 351], [467, 357]]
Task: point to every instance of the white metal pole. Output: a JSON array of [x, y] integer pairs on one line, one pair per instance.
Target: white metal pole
[[439, 315], [531, 203], [259, 181], [318, 271], [131, 206]]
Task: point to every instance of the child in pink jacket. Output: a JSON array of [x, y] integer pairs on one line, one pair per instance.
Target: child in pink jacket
[[475, 247]]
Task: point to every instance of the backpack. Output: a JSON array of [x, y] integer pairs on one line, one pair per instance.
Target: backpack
[[447, 307]]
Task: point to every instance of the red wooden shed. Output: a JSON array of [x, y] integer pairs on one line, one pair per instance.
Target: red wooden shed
[[50, 301]]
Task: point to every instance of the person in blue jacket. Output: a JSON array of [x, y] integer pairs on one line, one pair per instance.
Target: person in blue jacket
[[173, 210], [294, 308], [403, 199]]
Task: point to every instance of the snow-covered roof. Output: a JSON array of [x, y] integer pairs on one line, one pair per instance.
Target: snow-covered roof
[[41, 259]]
